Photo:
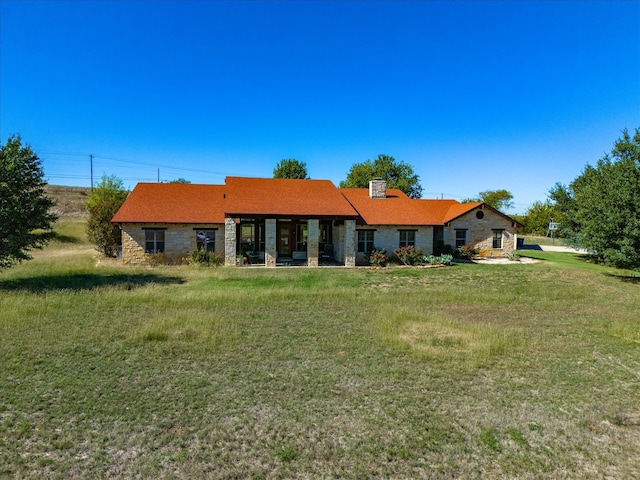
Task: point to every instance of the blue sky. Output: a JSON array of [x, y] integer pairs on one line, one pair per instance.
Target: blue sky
[[474, 95]]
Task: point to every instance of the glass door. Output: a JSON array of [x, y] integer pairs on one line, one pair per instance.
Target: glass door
[[284, 239]]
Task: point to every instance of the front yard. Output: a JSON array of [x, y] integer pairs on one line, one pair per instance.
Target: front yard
[[492, 371]]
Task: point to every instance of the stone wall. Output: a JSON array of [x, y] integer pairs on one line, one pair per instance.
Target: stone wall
[[388, 237], [350, 243], [230, 242], [480, 232], [270, 242], [179, 240], [312, 242]]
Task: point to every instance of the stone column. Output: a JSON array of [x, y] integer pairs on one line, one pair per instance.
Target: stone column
[[230, 242], [270, 245], [349, 243], [313, 233]]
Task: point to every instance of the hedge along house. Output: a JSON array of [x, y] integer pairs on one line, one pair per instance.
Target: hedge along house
[[286, 221]]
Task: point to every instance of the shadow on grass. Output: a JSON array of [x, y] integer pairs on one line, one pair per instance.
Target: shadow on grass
[[86, 281], [635, 279], [65, 239]]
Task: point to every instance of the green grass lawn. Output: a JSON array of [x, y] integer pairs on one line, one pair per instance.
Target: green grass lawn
[[492, 371]]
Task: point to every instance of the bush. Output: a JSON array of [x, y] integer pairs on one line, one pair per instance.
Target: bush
[[444, 259], [467, 251], [409, 255], [156, 259], [378, 257], [204, 258]]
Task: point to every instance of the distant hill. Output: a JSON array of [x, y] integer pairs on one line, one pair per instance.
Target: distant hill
[[70, 201]]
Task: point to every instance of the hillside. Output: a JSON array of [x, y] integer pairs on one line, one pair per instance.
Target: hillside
[[70, 201]]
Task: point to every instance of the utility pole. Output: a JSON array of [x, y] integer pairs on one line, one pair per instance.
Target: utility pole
[[91, 167], [158, 175]]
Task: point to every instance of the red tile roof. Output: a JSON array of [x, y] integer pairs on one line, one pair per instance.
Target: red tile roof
[[173, 203], [395, 209], [399, 209], [279, 196], [244, 197]]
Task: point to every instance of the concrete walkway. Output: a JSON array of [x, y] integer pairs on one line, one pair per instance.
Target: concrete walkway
[[553, 248]]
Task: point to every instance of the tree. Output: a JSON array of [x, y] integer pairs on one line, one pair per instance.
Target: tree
[[25, 220], [180, 180], [564, 206], [539, 215], [398, 175], [607, 204], [290, 168], [104, 201], [498, 199]]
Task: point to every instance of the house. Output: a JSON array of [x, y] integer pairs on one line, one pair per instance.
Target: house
[[282, 221]]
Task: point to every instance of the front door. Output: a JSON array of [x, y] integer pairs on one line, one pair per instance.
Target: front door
[[285, 246], [438, 240]]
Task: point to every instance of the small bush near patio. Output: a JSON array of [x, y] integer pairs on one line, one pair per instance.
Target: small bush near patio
[[378, 257]]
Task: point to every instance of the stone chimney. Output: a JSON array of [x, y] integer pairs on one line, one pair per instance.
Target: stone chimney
[[377, 188]]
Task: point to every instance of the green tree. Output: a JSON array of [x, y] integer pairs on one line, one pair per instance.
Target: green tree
[[290, 168], [498, 199], [564, 206], [397, 174], [25, 220], [104, 201], [607, 204], [539, 215], [180, 180]]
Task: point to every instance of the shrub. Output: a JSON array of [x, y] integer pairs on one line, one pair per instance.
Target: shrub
[[205, 259], [468, 251], [378, 257], [156, 259], [409, 255], [513, 256], [444, 259]]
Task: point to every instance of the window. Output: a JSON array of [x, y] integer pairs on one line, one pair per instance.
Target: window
[[247, 237], [154, 241], [407, 238], [302, 232], [365, 241], [206, 240], [497, 238], [461, 237]]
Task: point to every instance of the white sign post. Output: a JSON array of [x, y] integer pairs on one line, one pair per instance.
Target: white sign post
[[553, 226]]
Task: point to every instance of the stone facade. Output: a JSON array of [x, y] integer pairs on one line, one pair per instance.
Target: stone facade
[[270, 242], [349, 243], [388, 237], [179, 240], [229, 242], [312, 242], [480, 232]]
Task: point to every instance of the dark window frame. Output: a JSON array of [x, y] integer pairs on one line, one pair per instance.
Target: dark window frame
[[154, 240], [209, 240], [409, 239], [498, 238], [366, 240]]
